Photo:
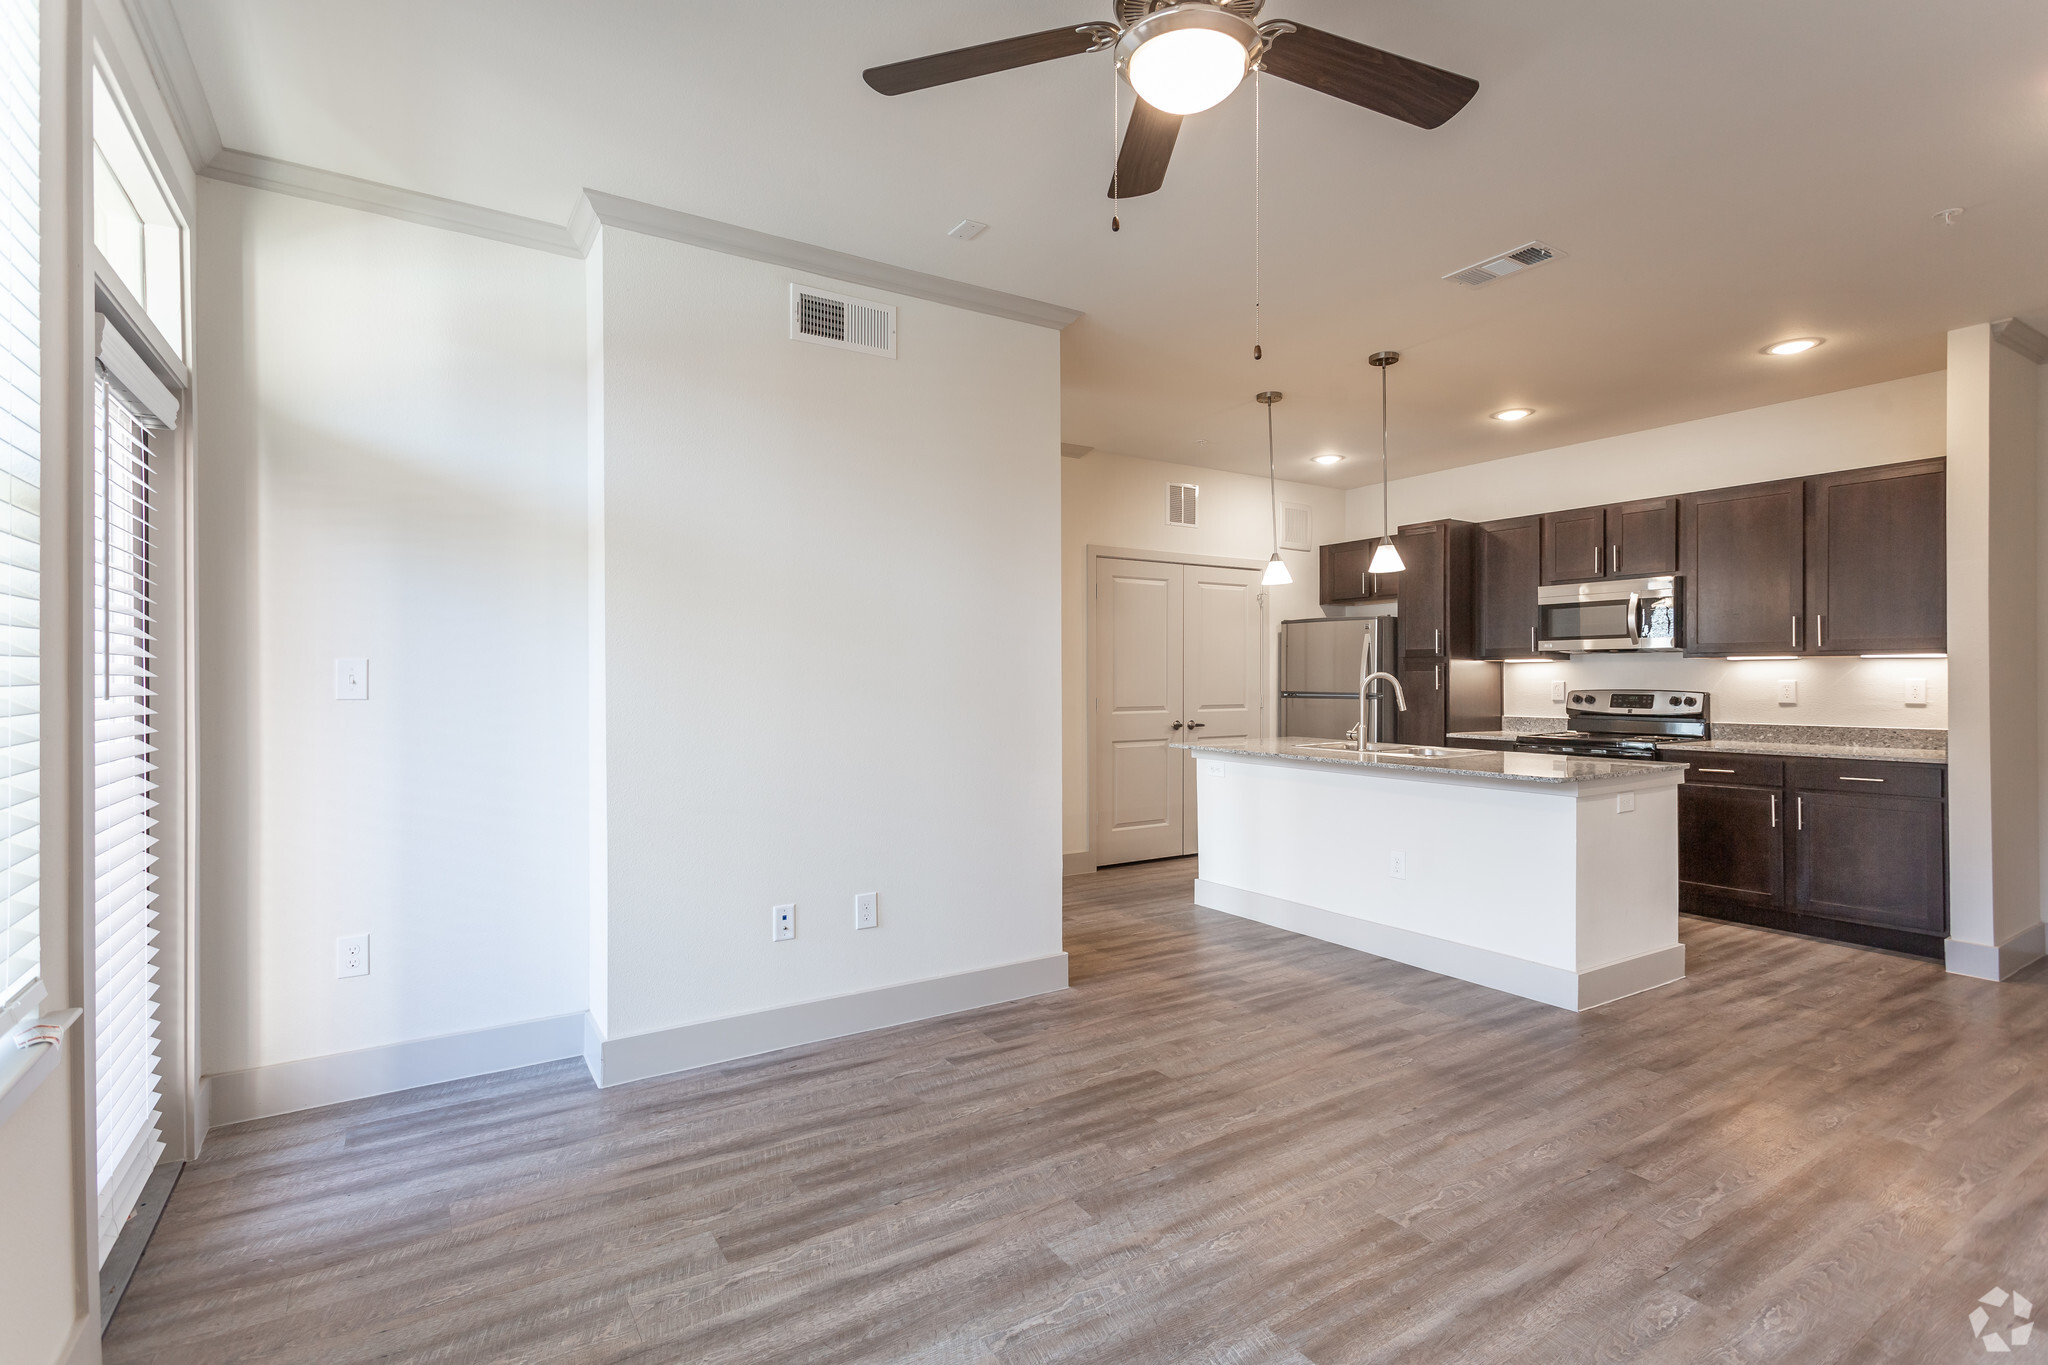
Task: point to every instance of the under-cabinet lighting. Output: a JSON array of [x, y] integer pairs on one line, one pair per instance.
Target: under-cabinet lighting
[[1532, 661], [1761, 658], [1905, 656]]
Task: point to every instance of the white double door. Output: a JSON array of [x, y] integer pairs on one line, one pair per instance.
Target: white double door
[[1179, 652]]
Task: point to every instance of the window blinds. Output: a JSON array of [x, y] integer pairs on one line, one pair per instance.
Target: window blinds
[[20, 506], [124, 784]]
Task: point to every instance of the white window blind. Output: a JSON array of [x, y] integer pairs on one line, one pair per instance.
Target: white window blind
[[20, 507], [124, 783]]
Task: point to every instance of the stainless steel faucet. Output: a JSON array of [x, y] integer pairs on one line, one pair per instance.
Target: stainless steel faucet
[[1364, 685]]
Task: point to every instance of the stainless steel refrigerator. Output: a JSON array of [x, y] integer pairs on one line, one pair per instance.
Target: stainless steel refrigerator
[[1321, 661]]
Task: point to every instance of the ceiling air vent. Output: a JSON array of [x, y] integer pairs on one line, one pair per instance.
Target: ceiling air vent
[[1508, 263], [1180, 503], [835, 320]]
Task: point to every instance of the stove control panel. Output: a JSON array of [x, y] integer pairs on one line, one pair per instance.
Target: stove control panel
[[1659, 705]]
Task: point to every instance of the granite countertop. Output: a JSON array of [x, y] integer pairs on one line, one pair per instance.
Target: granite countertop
[[1556, 769], [1768, 748]]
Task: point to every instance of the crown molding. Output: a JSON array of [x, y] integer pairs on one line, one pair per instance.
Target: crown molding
[[733, 240], [177, 77], [428, 210], [2022, 338]]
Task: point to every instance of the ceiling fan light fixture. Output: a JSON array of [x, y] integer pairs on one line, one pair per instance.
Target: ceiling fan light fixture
[[1187, 58]]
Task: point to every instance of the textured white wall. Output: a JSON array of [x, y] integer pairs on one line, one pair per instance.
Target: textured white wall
[[1116, 500], [1881, 424], [830, 632], [390, 465]]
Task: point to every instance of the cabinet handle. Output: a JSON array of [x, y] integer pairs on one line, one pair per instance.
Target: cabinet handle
[[1532, 639], [1862, 779], [1439, 642], [1596, 561], [1613, 558], [1438, 674], [1774, 810], [1820, 631], [1365, 585], [1801, 804], [1729, 771]]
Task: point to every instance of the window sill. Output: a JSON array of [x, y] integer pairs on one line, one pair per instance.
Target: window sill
[[22, 1069]]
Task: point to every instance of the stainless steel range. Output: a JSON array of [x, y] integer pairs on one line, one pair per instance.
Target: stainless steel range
[[1621, 724]]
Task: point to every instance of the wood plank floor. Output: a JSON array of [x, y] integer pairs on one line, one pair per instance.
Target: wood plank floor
[[1224, 1144]]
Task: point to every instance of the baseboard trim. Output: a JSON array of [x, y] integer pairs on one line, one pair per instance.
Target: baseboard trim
[[1997, 961], [287, 1087], [1517, 976], [1074, 864], [663, 1052]]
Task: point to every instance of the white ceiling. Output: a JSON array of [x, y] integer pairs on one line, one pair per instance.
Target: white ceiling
[[1721, 176]]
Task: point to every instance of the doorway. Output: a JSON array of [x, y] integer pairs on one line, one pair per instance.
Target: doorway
[[1176, 648]]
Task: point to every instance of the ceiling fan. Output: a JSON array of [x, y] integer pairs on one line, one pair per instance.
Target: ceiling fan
[[1184, 56]]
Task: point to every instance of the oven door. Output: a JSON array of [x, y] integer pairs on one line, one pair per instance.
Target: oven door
[[1586, 618]]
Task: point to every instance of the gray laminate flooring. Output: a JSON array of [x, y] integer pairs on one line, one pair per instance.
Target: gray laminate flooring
[[1224, 1144]]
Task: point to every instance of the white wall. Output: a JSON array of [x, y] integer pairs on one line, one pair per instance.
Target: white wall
[[390, 465], [830, 639], [1881, 424], [1119, 501]]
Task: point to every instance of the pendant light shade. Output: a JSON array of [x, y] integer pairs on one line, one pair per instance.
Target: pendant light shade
[[1276, 568], [1385, 558]]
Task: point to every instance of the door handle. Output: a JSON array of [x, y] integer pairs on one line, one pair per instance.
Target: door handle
[[1198, 725], [1774, 810], [1174, 726]]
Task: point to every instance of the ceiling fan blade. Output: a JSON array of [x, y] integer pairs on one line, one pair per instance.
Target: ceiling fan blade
[[1414, 92], [1148, 146], [964, 63]]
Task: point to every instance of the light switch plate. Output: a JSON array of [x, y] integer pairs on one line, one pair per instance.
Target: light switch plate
[[1916, 691], [351, 679], [352, 955], [782, 924], [1788, 691], [1557, 690], [864, 910]]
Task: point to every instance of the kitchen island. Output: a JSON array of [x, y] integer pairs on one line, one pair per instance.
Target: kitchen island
[[1550, 877]]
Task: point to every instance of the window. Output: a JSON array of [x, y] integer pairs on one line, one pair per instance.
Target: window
[[21, 987], [132, 222], [124, 784]]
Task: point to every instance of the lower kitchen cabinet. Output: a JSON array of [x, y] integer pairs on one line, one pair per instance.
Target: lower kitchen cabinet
[[1856, 851], [1446, 695]]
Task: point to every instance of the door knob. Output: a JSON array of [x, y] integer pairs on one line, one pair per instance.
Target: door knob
[[1198, 725], [1174, 726]]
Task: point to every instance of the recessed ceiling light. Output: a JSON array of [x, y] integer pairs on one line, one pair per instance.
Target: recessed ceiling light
[[1513, 414], [1328, 459], [1795, 346]]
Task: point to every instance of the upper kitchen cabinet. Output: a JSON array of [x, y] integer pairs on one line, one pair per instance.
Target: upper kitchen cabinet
[[1743, 554], [1435, 588], [1345, 576], [1509, 566], [1877, 560], [1623, 540]]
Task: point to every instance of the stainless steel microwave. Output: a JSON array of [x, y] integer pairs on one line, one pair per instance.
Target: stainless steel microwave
[[1618, 614]]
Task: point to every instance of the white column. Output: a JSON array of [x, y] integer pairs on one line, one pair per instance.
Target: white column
[[1995, 840]]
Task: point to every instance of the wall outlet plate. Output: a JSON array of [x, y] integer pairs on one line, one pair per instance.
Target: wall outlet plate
[[1557, 690], [782, 923], [1788, 691], [352, 955], [864, 910], [1397, 865], [1916, 691], [1624, 802]]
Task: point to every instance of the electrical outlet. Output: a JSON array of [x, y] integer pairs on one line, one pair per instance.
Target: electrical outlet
[[1397, 866], [1788, 691], [1557, 690], [1916, 691], [864, 910], [351, 679], [352, 955], [1624, 802], [784, 924]]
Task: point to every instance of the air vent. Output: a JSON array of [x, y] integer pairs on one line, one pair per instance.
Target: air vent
[[1296, 531], [1508, 263], [1180, 503], [835, 320]]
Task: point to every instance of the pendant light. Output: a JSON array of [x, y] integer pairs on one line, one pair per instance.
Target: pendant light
[[1385, 559], [1276, 568]]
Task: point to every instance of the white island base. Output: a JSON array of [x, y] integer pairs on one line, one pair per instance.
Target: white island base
[[1551, 878]]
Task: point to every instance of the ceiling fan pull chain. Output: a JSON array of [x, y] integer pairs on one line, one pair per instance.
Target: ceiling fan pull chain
[[1258, 125], [1116, 224]]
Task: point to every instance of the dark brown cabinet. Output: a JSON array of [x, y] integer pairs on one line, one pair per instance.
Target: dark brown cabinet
[[1510, 564], [1841, 849], [1743, 555], [1427, 719], [1435, 591], [1623, 540], [1446, 695], [1347, 577], [1876, 567]]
